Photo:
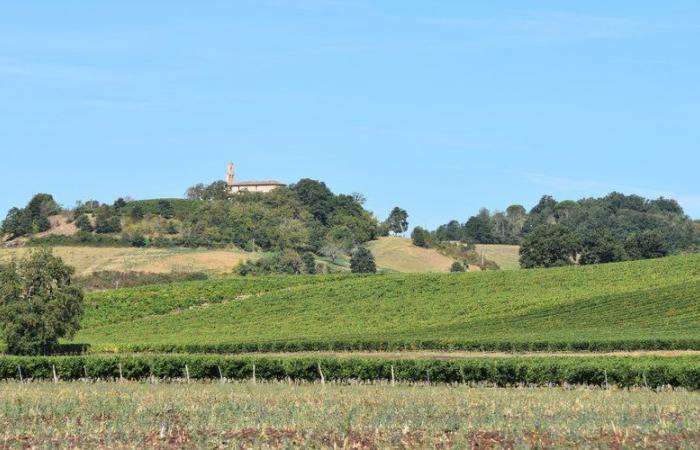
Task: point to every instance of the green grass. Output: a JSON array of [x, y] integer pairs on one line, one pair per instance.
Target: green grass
[[654, 303], [134, 415]]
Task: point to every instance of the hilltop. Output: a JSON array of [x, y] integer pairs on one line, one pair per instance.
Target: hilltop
[[640, 304]]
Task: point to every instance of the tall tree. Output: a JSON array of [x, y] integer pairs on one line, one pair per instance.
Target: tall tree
[[398, 221], [549, 246], [38, 304]]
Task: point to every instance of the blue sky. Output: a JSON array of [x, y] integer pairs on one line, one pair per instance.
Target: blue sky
[[439, 107]]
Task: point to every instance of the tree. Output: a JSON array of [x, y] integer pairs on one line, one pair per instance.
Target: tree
[[137, 240], [195, 192], [398, 221], [218, 190], [479, 228], [106, 223], [549, 246], [316, 196], [82, 222], [645, 245], [137, 213], [362, 261], [601, 248], [119, 204], [420, 237], [38, 304], [309, 261], [165, 209], [457, 267]]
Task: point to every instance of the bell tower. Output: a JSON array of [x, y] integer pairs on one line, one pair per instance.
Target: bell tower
[[230, 175]]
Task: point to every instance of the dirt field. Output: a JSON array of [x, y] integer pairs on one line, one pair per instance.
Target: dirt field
[[91, 259]]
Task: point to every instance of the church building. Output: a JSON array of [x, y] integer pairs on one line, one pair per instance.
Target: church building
[[251, 186]]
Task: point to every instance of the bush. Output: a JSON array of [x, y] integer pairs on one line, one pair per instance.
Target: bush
[[106, 224], [38, 305], [309, 263], [138, 240], [362, 261], [457, 267], [287, 262], [421, 237], [82, 222]]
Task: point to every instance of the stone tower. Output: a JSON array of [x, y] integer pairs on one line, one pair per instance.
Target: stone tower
[[230, 176]]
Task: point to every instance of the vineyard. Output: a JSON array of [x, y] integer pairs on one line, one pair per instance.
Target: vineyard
[[652, 304], [651, 372]]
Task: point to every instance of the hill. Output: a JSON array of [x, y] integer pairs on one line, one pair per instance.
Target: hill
[[87, 260], [641, 304], [506, 256], [400, 255]]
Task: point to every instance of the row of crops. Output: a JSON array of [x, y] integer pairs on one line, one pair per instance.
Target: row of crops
[[600, 371]]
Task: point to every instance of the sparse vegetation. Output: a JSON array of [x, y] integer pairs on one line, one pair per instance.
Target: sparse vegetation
[[280, 415]]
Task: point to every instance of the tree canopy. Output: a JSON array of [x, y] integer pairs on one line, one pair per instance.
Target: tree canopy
[[38, 304]]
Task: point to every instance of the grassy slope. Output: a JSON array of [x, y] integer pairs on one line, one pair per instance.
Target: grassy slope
[[506, 256], [90, 259], [657, 299], [400, 255]]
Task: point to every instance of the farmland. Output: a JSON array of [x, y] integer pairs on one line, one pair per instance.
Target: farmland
[[634, 305], [205, 415]]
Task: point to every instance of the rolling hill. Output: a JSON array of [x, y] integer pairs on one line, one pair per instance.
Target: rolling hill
[[641, 304]]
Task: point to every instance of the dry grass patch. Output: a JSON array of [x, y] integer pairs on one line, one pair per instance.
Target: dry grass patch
[[399, 254], [506, 256], [87, 260]]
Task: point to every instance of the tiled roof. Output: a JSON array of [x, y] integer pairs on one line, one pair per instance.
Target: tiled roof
[[258, 183]]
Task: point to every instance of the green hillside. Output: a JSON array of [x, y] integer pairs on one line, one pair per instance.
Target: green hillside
[[641, 304]]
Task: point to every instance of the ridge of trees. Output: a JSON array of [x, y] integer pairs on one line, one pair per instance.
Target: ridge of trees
[[613, 228]]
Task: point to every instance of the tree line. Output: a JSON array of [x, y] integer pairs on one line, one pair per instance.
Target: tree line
[[613, 228]]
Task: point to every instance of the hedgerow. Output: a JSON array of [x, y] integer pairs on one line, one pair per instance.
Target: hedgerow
[[619, 371]]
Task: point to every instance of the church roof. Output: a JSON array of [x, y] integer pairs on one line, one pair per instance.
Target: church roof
[[258, 183]]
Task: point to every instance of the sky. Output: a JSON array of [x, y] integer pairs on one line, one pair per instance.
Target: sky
[[438, 107]]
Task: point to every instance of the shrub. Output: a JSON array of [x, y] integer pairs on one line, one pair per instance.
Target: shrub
[[362, 261], [82, 222], [420, 237], [457, 267], [309, 263]]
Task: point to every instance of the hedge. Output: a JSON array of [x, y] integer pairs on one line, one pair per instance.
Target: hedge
[[421, 344], [596, 370]]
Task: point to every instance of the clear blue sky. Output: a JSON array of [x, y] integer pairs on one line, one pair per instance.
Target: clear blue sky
[[440, 107]]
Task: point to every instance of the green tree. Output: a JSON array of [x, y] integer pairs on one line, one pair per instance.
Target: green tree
[[38, 304], [397, 221], [137, 213], [601, 248], [421, 237], [82, 222], [165, 209], [316, 196], [479, 228], [362, 261], [137, 240], [309, 263], [106, 223], [549, 246], [457, 267], [646, 245]]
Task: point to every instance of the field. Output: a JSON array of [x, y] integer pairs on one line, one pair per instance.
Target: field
[[506, 256], [87, 260], [392, 255], [199, 415], [400, 255], [633, 305]]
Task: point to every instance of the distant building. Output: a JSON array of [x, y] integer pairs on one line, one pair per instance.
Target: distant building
[[251, 186]]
